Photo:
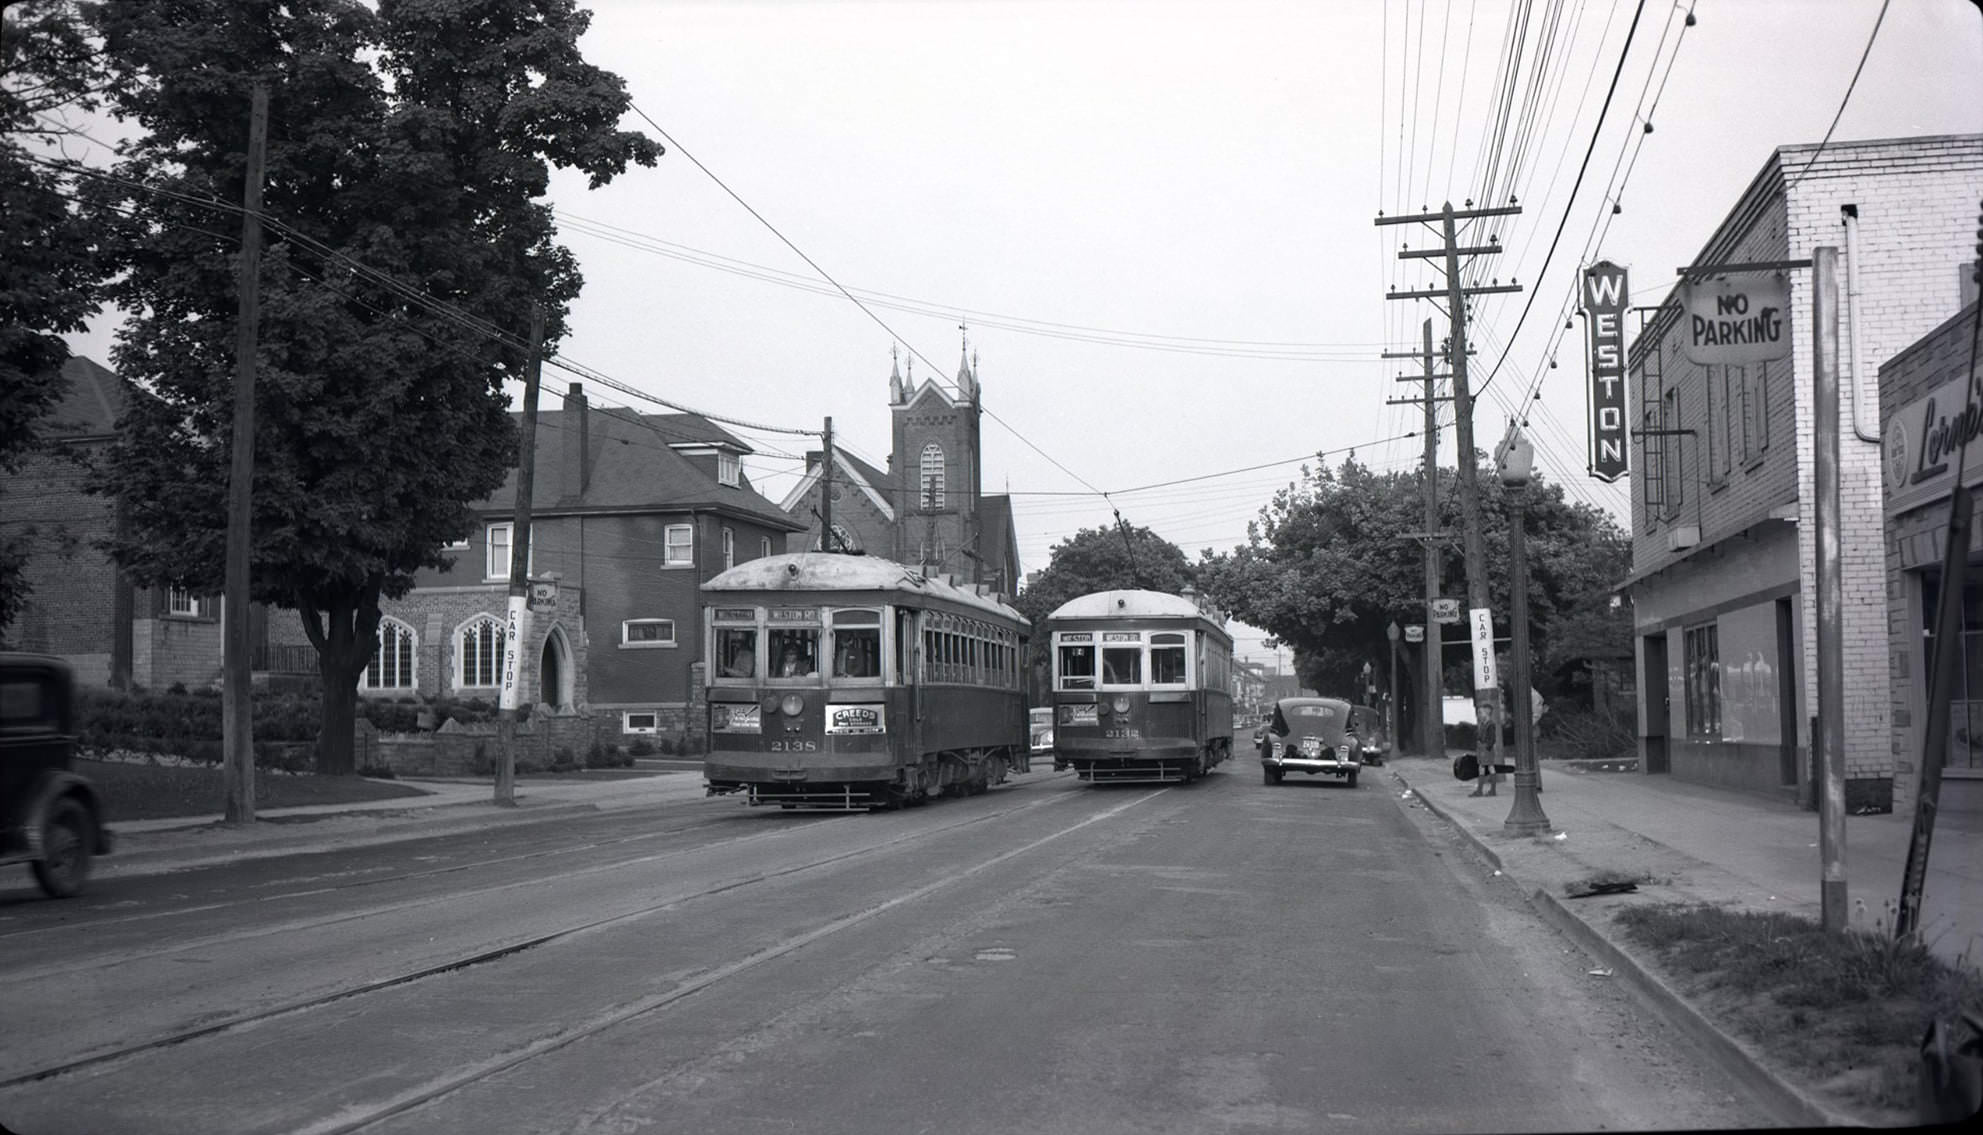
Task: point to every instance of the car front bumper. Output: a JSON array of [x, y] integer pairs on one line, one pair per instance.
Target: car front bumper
[[1312, 765]]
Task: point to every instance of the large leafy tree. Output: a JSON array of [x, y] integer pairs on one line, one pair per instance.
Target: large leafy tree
[[408, 152], [49, 271], [1330, 564], [1103, 559]]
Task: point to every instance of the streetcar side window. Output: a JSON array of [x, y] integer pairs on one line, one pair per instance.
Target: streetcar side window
[[857, 644], [1167, 660], [1076, 667], [905, 645], [1122, 665]]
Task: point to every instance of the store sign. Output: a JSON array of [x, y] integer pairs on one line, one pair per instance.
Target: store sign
[[1926, 439], [1606, 296], [1735, 321]]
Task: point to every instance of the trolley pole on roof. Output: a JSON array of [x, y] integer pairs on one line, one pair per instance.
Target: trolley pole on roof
[[826, 540], [516, 628]]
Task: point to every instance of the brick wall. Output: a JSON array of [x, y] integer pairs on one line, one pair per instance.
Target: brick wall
[[1914, 540], [73, 586]]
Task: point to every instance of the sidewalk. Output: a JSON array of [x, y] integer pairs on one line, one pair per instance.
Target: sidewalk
[[451, 806], [1701, 844]]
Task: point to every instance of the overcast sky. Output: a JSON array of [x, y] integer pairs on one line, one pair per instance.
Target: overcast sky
[[1156, 218]]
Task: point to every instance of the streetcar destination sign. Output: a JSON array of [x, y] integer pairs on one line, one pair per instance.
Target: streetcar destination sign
[[1606, 296], [1734, 321]]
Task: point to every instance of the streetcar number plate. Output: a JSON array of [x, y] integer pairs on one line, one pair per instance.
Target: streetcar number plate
[[794, 746], [1122, 733]]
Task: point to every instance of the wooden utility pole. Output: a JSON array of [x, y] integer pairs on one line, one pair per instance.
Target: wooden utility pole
[[237, 715], [1831, 587], [516, 628], [1455, 294], [826, 540], [1432, 720]]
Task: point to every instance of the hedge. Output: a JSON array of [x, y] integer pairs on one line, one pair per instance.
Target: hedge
[[189, 724]]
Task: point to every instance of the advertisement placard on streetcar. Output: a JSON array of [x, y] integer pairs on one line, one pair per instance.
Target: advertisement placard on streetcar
[[734, 718], [857, 719], [1080, 714]]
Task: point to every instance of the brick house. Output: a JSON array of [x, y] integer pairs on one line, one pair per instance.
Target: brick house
[[80, 607], [1723, 548], [928, 507], [1923, 387], [631, 513]]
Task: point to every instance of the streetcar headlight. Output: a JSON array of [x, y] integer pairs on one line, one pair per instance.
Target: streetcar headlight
[[792, 705], [1122, 703]]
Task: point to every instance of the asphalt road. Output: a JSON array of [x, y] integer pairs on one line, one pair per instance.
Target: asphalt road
[[1049, 957]]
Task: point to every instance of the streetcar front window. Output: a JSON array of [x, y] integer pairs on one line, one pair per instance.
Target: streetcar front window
[[1167, 660], [1122, 665], [857, 644], [736, 652], [1077, 667], [794, 652]]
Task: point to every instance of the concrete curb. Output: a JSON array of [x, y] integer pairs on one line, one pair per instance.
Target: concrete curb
[[165, 861], [1787, 1103]]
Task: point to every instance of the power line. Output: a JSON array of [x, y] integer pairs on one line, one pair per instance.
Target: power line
[[1849, 87]]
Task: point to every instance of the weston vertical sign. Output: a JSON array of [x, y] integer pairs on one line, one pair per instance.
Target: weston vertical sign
[[1606, 296]]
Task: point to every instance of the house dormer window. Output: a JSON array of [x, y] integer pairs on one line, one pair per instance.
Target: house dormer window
[[728, 469], [931, 484]]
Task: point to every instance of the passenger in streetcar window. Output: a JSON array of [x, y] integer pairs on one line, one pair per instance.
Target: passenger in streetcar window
[[858, 653], [794, 664], [739, 648]]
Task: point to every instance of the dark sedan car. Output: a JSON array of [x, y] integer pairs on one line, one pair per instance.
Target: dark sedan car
[[1372, 734], [1311, 735], [50, 818]]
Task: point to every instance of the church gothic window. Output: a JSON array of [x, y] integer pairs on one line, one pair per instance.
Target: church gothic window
[[932, 476]]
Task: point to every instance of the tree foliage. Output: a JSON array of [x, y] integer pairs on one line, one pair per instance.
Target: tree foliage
[[48, 269], [407, 157], [1104, 559], [1330, 564]]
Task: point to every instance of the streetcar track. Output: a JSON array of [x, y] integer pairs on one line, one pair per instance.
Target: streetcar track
[[498, 952], [354, 1119], [206, 908]]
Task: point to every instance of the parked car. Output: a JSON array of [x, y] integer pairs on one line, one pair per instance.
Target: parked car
[[1372, 734], [1310, 735], [1040, 727], [50, 816]]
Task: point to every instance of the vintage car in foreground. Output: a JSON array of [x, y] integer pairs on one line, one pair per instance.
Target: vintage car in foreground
[[1039, 730], [1312, 736], [50, 817]]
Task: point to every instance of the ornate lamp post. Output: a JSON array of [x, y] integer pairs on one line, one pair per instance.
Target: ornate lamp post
[[1514, 457]]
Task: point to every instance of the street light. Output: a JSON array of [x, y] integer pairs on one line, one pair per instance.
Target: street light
[[1513, 459]]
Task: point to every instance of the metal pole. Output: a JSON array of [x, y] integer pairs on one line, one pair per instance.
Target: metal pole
[[237, 717], [1527, 817], [1831, 590], [516, 629], [1432, 722], [826, 489]]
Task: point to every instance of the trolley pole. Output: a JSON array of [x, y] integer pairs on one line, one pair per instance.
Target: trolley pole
[[237, 720], [1455, 294], [826, 540], [516, 628]]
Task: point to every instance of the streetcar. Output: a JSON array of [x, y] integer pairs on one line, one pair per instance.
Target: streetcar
[[848, 683], [1142, 687]]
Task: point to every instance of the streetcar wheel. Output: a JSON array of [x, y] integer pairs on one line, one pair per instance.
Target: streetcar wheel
[[64, 865]]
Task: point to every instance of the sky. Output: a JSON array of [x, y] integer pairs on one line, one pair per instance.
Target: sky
[[1155, 221]]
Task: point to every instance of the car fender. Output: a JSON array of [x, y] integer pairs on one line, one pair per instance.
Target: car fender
[[56, 785]]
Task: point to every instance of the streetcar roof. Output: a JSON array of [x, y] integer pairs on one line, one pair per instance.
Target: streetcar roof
[[1133, 604], [834, 571]]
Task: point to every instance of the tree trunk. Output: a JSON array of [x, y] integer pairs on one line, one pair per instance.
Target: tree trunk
[[344, 631]]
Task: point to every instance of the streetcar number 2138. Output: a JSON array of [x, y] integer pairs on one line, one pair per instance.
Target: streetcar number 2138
[[795, 746], [1122, 733]]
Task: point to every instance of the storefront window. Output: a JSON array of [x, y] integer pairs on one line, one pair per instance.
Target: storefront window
[[1966, 703]]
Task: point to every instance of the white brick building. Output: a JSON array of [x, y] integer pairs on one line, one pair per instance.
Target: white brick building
[[1723, 567]]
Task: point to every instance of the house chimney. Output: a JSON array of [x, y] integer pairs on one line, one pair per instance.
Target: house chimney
[[578, 441]]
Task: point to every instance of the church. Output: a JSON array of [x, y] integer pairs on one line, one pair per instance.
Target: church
[[928, 508]]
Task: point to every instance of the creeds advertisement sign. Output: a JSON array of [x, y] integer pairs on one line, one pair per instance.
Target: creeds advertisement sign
[[1606, 295]]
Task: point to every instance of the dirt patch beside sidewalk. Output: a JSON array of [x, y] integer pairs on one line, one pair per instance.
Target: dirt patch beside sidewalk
[[133, 791]]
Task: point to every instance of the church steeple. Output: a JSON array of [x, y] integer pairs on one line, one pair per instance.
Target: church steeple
[[967, 379], [898, 391]]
